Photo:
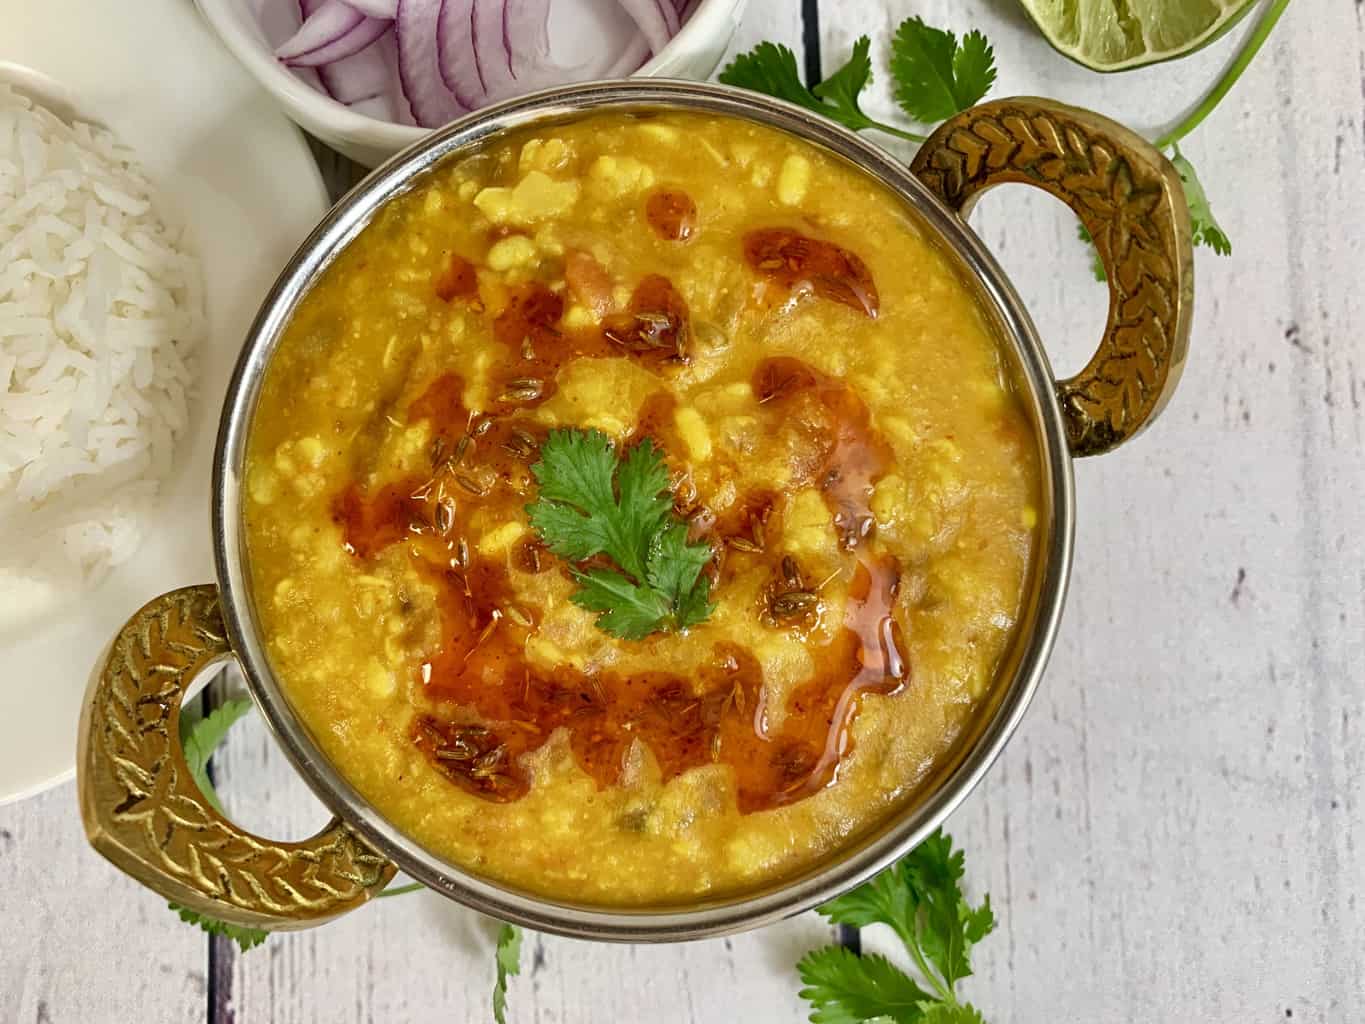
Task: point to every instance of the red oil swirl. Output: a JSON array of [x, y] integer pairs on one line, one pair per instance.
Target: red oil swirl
[[672, 214], [483, 703], [800, 264], [458, 280], [856, 455], [655, 327]]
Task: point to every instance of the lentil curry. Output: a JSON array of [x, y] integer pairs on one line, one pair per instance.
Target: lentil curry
[[838, 423]]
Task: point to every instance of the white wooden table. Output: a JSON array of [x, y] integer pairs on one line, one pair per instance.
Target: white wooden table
[[1174, 834]]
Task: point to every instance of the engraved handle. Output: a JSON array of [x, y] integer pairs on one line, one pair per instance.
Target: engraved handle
[[1130, 199], [143, 810]]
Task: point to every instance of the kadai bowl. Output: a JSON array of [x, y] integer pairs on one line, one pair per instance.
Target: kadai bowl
[[642, 511]]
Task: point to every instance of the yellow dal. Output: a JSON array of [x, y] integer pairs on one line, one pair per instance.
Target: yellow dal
[[957, 512]]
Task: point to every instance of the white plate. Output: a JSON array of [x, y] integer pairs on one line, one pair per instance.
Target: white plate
[[240, 176]]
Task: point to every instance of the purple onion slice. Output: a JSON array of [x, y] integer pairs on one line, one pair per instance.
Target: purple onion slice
[[455, 57], [323, 25], [352, 42], [431, 102], [361, 75], [648, 16], [387, 9]]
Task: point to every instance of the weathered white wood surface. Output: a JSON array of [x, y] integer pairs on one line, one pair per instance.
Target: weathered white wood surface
[[1174, 834]]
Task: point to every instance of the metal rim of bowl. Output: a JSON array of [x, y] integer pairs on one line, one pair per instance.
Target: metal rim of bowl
[[849, 866]]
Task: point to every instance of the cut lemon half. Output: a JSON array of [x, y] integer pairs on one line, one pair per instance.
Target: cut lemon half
[[1114, 35]]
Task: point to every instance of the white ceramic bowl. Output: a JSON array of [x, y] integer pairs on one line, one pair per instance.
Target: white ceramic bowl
[[693, 53]]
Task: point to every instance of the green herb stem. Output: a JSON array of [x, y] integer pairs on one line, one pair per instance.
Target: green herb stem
[[400, 890], [1253, 44], [945, 992], [899, 133]]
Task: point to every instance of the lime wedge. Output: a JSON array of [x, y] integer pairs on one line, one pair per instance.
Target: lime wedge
[[1114, 35]]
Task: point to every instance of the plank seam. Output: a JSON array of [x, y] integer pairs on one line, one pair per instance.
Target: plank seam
[[810, 40]]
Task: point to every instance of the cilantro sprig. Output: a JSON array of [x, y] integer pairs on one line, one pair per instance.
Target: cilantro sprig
[[771, 68], [246, 938], [508, 959], [935, 75], [200, 737], [920, 898], [593, 501]]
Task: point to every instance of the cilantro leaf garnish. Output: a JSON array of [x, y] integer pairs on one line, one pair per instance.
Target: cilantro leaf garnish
[[921, 900], [1096, 264], [846, 988], [1204, 227], [200, 738], [508, 959], [628, 610], [246, 938], [936, 76], [770, 68], [840, 90], [592, 502]]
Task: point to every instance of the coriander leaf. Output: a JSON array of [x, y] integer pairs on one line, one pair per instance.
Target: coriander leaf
[[839, 92], [845, 988], [947, 925], [1096, 264], [246, 938], [567, 532], [673, 564], [576, 469], [201, 737], [645, 503], [593, 502], [1204, 227], [920, 899], [770, 68], [949, 1013], [576, 466], [883, 899], [695, 606], [629, 611], [936, 77], [508, 959]]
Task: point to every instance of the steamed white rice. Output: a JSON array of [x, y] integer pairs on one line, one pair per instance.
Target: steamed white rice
[[101, 308]]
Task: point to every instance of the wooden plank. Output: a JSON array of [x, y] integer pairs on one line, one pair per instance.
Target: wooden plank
[[83, 942], [1174, 833]]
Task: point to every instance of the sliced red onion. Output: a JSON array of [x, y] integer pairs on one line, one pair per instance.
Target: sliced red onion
[[455, 58], [632, 58], [361, 75], [672, 12], [378, 107], [328, 22], [387, 9], [491, 49], [445, 57], [526, 34], [648, 16], [431, 102], [361, 36], [527, 22]]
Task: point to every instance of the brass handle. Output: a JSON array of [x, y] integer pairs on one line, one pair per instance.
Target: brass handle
[[1130, 199], [143, 810]]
